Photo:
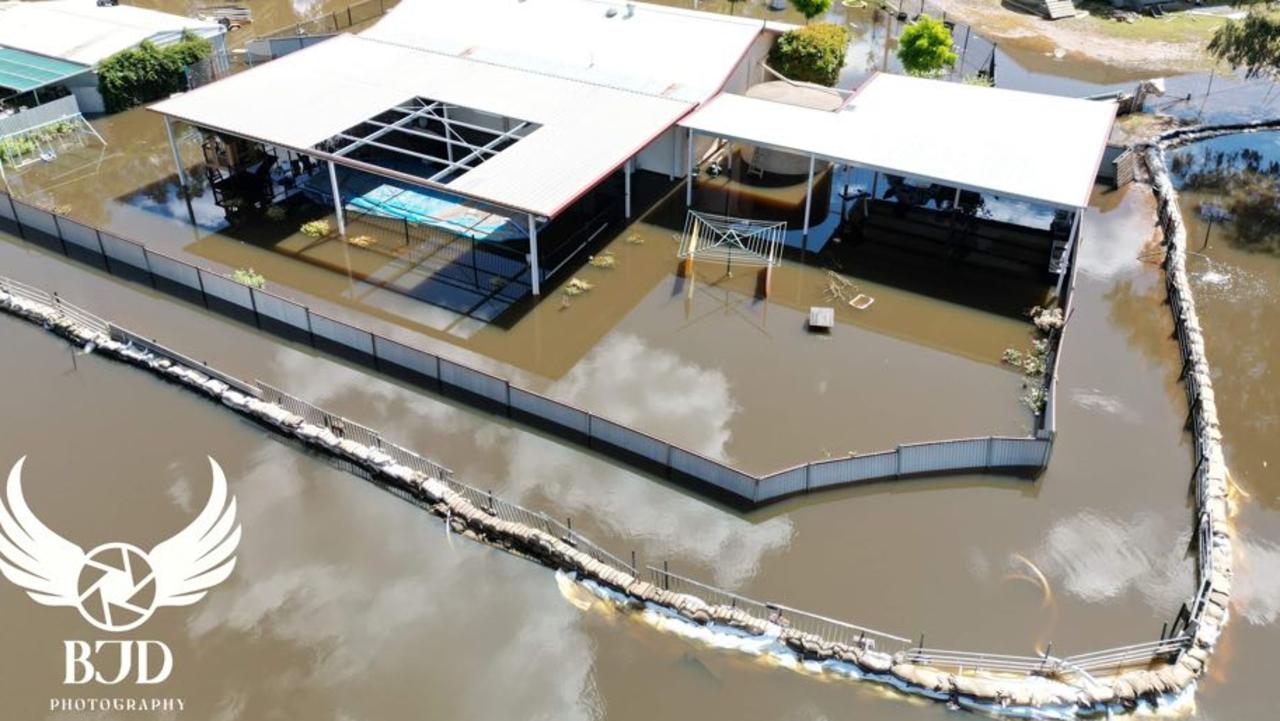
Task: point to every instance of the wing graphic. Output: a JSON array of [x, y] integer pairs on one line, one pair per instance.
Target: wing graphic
[[201, 555], [33, 557]]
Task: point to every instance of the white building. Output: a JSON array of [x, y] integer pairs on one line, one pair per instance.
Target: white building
[[532, 105], [62, 42]]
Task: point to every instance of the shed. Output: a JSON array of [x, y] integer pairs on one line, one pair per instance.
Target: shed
[[80, 33]]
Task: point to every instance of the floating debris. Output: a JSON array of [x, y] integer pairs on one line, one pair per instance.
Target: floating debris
[[839, 288], [821, 318], [576, 287], [362, 241], [249, 277], [605, 260], [316, 229]]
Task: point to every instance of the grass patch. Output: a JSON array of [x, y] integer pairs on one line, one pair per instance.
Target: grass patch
[[1175, 27]]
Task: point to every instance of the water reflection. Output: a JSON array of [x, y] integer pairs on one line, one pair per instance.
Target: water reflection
[[368, 604], [615, 506], [1097, 557], [628, 380]]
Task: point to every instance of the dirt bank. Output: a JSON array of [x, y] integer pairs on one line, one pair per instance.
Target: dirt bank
[[1160, 46]]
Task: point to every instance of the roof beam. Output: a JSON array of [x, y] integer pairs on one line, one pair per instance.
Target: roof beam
[[509, 135], [429, 135], [383, 131]]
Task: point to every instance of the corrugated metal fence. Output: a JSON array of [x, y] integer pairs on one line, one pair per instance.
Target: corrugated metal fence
[[292, 320], [824, 627]]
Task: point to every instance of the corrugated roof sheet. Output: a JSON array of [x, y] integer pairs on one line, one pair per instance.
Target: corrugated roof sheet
[[311, 95], [82, 32], [652, 49], [1035, 147], [21, 71]]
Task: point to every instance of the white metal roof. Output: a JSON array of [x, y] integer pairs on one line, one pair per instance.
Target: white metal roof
[[587, 131], [82, 32], [1041, 148], [647, 48]]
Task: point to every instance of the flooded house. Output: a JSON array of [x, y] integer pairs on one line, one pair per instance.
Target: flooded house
[[488, 146], [51, 50]]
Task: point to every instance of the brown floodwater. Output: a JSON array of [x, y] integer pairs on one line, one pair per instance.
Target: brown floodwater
[[702, 362], [348, 603]]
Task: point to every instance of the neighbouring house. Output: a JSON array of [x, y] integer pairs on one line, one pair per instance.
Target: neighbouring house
[[52, 49]]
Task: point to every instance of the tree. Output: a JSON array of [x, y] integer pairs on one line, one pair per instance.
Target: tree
[[812, 54], [924, 48], [1252, 43], [140, 75], [811, 9]]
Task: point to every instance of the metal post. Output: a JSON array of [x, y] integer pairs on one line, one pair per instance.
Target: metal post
[[688, 171], [675, 154], [1066, 253], [173, 146], [535, 274], [808, 203], [337, 199], [448, 143], [626, 174]]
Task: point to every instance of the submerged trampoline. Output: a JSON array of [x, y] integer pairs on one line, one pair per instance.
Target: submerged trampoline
[[367, 194]]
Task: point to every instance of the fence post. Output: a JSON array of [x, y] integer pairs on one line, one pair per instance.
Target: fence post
[[57, 228], [146, 260], [897, 459], [808, 481], [22, 233], [253, 304], [991, 450], [204, 295]]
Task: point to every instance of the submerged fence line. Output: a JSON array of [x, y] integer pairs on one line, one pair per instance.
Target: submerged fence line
[[883, 657], [1025, 455]]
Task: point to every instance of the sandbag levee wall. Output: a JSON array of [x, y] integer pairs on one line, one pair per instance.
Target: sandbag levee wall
[[994, 684], [1208, 609], [294, 321]]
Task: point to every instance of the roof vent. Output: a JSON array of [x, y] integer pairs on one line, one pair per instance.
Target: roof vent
[[631, 11], [611, 12]]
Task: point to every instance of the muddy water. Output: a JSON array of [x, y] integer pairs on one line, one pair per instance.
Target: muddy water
[[741, 368], [871, 554], [291, 634], [1238, 296], [347, 603], [702, 362]]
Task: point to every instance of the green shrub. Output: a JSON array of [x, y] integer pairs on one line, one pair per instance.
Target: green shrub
[[147, 73], [249, 277], [813, 54], [811, 9], [316, 228], [924, 48]]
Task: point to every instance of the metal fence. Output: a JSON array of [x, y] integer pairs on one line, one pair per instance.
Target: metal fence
[[295, 321], [975, 54], [822, 627], [828, 629], [64, 107], [264, 50], [1112, 659], [338, 20]]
